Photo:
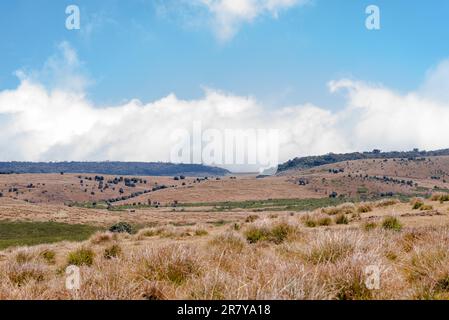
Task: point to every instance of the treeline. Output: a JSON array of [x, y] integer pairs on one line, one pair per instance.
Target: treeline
[[112, 168], [315, 161]]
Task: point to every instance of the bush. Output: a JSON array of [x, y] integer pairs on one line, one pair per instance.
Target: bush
[[81, 257], [341, 219], [392, 223], [121, 227], [112, 252]]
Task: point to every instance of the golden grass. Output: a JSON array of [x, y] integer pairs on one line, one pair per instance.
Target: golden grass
[[284, 260]]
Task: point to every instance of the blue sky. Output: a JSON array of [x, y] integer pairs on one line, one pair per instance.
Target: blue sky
[[139, 70], [133, 50]]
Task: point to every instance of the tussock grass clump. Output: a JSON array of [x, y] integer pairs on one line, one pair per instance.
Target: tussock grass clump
[[20, 274], [230, 241], [24, 255], [391, 223], [417, 203], [442, 197], [101, 237], [345, 208], [310, 223], [175, 264], [113, 251], [328, 248], [316, 220], [341, 219], [201, 232], [251, 218], [368, 226], [428, 271], [81, 257], [255, 234], [426, 207], [49, 256], [276, 233], [364, 207], [386, 203], [325, 221], [148, 233]]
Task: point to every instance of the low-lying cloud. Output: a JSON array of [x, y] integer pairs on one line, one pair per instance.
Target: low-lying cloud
[[47, 122]]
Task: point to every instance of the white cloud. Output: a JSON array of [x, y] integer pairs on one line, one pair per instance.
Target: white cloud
[[227, 16], [43, 122]]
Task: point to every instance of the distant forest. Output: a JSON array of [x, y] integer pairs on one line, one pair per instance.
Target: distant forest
[[315, 161], [112, 168]]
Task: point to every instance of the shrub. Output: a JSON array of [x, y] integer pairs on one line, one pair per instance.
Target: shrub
[[112, 252], [81, 257], [341, 219], [391, 223], [121, 227]]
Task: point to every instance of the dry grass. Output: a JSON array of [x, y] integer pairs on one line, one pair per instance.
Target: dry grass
[[269, 258]]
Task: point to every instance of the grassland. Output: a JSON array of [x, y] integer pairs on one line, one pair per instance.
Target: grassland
[[34, 233]]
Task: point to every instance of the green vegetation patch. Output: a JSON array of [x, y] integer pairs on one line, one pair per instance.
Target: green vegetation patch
[[271, 204], [34, 233]]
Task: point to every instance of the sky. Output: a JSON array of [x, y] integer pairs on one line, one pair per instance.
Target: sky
[[137, 70]]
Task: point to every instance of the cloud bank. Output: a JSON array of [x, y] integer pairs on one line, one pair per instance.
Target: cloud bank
[[53, 120]]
